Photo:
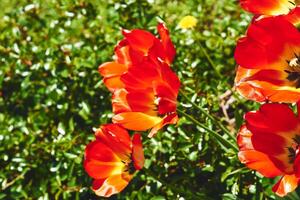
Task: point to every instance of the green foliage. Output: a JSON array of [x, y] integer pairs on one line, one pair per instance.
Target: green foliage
[[51, 98]]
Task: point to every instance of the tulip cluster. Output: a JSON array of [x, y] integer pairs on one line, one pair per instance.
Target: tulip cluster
[[144, 92], [268, 59]]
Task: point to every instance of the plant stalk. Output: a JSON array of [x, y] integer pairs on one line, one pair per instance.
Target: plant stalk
[[218, 137]]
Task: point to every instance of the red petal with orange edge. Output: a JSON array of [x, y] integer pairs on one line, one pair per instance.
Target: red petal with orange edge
[[120, 134], [119, 101], [262, 91], [126, 55], [244, 139], [112, 185], [122, 53], [166, 42], [142, 101], [260, 162], [137, 152], [267, 7], [275, 147], [136, 121], [168, 119], [250, 91], [117, 138], [286, 184], [100, 161], [254, 159], [293, 16], [139, 40], [111, 71], [273, 128], [253, 51]]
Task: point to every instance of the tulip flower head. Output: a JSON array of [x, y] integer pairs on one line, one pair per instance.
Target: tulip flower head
[[269, 143], [112, 159], [144, 87], [268, 59]]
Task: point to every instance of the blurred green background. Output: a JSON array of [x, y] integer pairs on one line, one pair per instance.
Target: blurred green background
[[51, 98]]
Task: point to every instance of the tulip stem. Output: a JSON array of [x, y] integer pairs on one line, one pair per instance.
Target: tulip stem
[[208, 115], [216, 135], [210, 60]]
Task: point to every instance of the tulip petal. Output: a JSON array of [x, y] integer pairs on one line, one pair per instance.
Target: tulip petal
[[119, 101], [272, 76], [141, 77], [260, 162], [254, 159], [142, 101], [168, 119], [293, 16], [166, 100], [127, 55], [268, 7], [297, 165], [286, 184], [117, 138], [273, 117], [136, 121], [110, 186], [137, 152], [261, 91], [122, 53], [112, 69], [166, 42], [244, 139], [100, 161], [113, 83], [274, 127], [171, 78], [139, 40], [253, 51]]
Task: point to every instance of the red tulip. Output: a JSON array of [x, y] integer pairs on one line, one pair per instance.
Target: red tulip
[[268, 7], [269, 61], [137, 46], [144, 87], [112, 159], [269, 143]]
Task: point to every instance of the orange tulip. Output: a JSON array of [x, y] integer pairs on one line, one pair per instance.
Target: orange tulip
[[269, 143], [137, 46], [268, 7], [269, 64], [112, 159], [144, 87]]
